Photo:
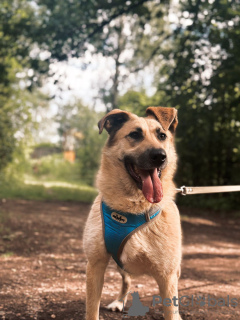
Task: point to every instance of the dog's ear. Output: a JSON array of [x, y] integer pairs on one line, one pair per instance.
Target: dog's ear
[[166, 116], [113, 121]]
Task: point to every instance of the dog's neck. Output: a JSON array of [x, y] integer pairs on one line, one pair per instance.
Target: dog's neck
[[120, 192]]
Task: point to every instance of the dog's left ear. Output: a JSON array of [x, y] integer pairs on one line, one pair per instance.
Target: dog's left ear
[[113, 121], [166, 116]]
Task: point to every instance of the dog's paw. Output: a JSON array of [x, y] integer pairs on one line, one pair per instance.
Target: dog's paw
[[115, 306]]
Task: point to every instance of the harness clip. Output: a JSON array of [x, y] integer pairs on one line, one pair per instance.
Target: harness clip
[[183, 191]]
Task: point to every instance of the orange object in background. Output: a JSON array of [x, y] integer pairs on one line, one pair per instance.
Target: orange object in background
[[69, 156]]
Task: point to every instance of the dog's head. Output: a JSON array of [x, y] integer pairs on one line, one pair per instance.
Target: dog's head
[[141, 149]]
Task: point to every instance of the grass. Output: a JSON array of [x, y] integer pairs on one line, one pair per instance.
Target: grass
[[53, 190], [7, 254]]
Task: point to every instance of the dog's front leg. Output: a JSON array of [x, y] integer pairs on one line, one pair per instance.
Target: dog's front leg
[[168, 286], [95, 278]]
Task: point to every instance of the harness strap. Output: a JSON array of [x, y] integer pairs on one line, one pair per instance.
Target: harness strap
[[118, 227]]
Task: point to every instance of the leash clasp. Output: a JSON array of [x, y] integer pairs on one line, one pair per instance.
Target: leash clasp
[[186, 190], [183, 190]]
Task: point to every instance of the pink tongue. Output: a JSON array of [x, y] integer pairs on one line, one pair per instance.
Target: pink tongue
[[151, 185]]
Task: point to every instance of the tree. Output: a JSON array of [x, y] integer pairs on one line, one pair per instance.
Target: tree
[[120, 30], [72, 25], [88, 149], [35, 34], [138, 101], [19, 71], [202, 81]]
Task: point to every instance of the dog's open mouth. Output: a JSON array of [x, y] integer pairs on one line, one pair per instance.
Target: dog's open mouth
[[147, 180]]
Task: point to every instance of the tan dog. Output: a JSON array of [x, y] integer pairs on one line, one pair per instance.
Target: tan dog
[[137, 168]]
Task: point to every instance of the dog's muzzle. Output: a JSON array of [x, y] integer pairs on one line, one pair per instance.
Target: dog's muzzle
[[146, 171]]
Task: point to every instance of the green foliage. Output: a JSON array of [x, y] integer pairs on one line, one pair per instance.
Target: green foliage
[[7, 254], [16, 169], [7, 141], [19, 26], [19, 73], [48, 178], [197, 63], [61, 24], [19, 190], [55, 167], [48, 145], [202, 80], [110, 28], [138, 101], [88, 149]]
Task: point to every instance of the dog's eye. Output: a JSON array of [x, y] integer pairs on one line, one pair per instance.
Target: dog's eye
[[135, 135], [162, 136]]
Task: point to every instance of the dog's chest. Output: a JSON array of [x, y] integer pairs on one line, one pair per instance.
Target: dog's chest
[[154, 248], [119, 227]]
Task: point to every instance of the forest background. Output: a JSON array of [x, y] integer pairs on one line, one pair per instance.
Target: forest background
[[65, 63]]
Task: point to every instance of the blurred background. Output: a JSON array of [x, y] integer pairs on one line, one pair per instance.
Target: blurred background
[[65, 63]]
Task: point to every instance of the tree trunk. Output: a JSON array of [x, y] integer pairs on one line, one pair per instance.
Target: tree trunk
[[121, 41]]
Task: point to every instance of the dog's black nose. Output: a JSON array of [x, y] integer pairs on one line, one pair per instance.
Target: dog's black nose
[[157, 156]]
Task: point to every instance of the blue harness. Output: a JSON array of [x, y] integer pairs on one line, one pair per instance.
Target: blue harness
[[119, 226]]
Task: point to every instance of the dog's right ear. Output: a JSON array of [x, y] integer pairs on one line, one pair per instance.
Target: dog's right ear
[[113, 121]]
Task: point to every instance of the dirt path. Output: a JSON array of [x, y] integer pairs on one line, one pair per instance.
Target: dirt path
[[42, 274]]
